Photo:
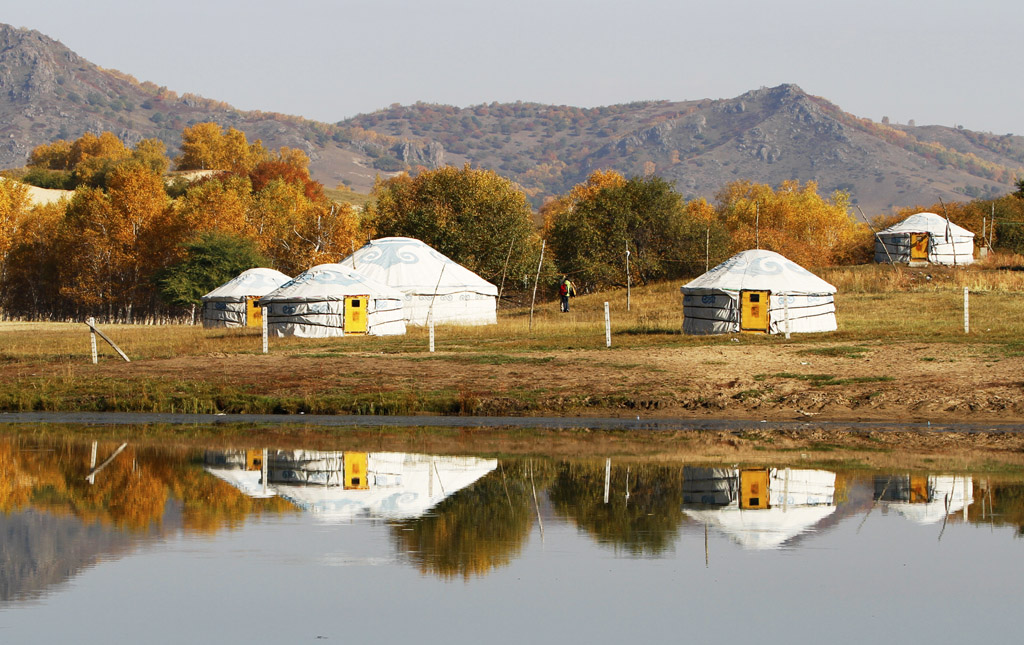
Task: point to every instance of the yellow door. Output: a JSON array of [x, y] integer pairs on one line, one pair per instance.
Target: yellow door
[[754, 489], [919, 490], [254, 460], [754, 310], [253, 312], [355, 315], [918, 246], [355, 471]]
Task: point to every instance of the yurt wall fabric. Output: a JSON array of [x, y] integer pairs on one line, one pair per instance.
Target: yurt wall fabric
[[711, 303], [313, 304], [947, 243], [225, 306], [432, 283]]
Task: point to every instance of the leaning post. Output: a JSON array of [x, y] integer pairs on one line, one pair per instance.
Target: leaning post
[[607, 326]]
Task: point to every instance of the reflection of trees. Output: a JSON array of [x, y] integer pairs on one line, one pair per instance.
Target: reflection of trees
[[646, 523], [478, 528], [999, 504], [131, 492]]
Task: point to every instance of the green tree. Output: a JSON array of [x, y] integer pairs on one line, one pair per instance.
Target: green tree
[[590, 235], [212, 258], [472, 216]]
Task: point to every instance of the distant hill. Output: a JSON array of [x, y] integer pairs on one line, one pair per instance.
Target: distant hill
[[767, 136]]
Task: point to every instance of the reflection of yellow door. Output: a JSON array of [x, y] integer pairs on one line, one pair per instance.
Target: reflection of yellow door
[[253, 312], [918, 490], [754, 310], [254, 460], [754, 488], [918, 246], [355, 471], [355, 315]]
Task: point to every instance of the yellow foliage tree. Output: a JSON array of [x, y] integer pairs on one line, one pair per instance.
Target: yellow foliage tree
[[204, 146], [793, 220]]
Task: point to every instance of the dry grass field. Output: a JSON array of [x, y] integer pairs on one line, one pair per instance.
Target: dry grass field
[[900, 354]]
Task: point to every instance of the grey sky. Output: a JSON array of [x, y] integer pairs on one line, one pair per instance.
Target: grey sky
[[938, 62]]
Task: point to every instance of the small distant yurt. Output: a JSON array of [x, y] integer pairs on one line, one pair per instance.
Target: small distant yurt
[[924, 499], [925, 238], [333, 300], [233, 304], [755, 291], [430, 282]]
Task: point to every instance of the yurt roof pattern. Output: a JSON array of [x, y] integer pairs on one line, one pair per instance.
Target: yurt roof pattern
[[254, 282], [415, 267], [760, 270], [935, 225], [330, 282]]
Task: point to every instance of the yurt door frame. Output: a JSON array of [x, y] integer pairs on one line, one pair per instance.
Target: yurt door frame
[[355, 314], [253, 312], [918, 246], [754, 310], [754, 489]]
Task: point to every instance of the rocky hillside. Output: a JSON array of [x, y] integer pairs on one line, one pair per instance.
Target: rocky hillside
[[767, 135]]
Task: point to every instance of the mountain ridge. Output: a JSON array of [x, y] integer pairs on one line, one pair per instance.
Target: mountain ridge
[[767, 135]]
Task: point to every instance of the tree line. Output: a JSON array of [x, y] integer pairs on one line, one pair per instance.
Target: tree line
[[134, 243]]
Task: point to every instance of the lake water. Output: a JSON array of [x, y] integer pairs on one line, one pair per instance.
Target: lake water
[[176, 544]]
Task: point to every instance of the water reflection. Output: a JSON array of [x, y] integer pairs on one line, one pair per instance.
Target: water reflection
[[759, 508], [69, 505]]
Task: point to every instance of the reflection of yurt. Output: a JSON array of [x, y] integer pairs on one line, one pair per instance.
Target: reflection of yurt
[[758, 291], [396, 486], [333, 300], [924, 499], [758, 508], [432, 283], [243, 469], [925, 238], [234, 303]]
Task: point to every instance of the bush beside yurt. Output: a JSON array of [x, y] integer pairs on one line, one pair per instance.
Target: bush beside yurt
[[333, 300], [758, 291], [233, 304], [433, 285], [925, 238]]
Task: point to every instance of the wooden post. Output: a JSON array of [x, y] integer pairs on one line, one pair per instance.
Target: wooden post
[[707, 249], [628, 282], [967, 313], [91, 477], [536, 280], [503, 270], [431, 336], [266, 332], [92, 325], [757, 225], [92, 338], [785, 307], [607, 478], [607, 326]]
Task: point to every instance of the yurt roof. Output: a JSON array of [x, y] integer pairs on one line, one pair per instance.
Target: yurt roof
[[329, 282], [413, 266], [764, 528], [930, 223], [759, 270], [254, 282]]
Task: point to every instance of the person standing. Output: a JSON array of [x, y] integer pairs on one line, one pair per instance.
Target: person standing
[[566, 290]]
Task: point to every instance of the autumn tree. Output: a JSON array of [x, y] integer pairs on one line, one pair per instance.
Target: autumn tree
[[793, 220], [204, 146], [472, 216], [591, 234], [13, 208]]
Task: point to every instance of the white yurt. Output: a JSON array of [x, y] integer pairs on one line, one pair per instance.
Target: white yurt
[[755, 291], [925, 499], [333, 300], [233, 304], [429, 280], [925, 238]]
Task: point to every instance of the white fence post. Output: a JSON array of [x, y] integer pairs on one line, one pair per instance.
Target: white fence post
[[431, 336], [92, 337], [967, 313], [607, 326], [266, 332], [785, 306]]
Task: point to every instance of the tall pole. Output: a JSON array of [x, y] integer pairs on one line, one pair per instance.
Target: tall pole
[[628, 282], [757, 225], [503, 270], [535, 281], [707, 249]]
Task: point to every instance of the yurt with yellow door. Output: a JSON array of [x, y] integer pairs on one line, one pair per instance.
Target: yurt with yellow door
[[435, 287], [925, 238], [234, 303], [758, 291], [333, 300]]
